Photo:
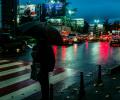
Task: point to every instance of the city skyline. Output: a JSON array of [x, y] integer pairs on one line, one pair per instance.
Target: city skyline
[[91, 9]]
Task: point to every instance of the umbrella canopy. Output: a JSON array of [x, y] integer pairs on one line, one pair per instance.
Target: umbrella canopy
[[40, 31]]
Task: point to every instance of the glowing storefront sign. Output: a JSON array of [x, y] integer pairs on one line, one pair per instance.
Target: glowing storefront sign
[[53, 8], [32, 9]]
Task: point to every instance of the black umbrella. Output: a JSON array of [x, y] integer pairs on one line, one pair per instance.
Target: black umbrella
[[40, 31]]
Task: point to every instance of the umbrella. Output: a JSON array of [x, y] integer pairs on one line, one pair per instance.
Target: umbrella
[[40, 31]]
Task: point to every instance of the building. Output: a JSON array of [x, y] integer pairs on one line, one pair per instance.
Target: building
[[0, 15], [9, 14], [117, 32], [55, 21], [78, 22], [96, 29]]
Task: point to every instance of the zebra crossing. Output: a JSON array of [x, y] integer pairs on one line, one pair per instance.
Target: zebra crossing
[[15, 82]]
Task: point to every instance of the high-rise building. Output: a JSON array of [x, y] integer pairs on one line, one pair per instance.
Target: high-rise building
[[9, 14]]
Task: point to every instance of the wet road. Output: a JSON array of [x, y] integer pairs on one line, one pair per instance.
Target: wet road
[[84, 57]]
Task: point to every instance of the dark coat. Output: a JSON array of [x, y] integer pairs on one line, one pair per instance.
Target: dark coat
[[43, 54]]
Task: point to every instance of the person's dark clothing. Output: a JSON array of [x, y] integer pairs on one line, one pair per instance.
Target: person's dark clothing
[[45, 56]]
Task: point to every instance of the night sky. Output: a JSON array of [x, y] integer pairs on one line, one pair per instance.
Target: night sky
[[92, 9]]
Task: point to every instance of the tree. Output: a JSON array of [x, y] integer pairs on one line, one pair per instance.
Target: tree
[[116, 25], [74, 10], [86, 27], [107, 26]]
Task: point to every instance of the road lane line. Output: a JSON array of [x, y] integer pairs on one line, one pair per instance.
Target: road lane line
[[4, 61], [14, 70], [22, 93], [14, 80], [34, 87], [10, 64]]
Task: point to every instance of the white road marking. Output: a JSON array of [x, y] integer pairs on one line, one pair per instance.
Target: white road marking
[[3, 61], [10, 64], [14, 70]]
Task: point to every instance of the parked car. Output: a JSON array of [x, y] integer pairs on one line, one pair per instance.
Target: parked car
[[9, 43], [75, 38]]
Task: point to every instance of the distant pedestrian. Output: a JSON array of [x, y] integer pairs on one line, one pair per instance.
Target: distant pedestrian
[[45, 59]]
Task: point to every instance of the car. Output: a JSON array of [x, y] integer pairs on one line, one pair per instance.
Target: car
[[115, 43], [105, 38], [9, 43], [71, 35], [75, 38], [66, 41]]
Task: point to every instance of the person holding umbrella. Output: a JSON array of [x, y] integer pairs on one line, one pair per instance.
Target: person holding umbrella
[[45, 60], [43, 55]]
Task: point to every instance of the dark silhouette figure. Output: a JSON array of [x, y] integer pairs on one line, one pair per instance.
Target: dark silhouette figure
[[44, 56]]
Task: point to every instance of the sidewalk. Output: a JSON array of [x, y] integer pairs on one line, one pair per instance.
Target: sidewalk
[[110, 90]]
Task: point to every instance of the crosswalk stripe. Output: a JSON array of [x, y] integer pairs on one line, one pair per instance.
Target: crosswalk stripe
[[13, 75], [11, 64], [18, 95], [15, 87], [11, 67], [27, 70], [29, 86], [4, 61], [14, 70], [61, 76], [14, 80], [25, 91], [53, 79]]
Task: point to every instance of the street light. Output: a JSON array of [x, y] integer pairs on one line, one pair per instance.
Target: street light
[[70, 12], [52, 1], [96, 21]]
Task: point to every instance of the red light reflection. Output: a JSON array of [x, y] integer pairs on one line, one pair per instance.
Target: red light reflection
[[86, 44], [63, 52], [103, 52], [55, 50], [75, 47]]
